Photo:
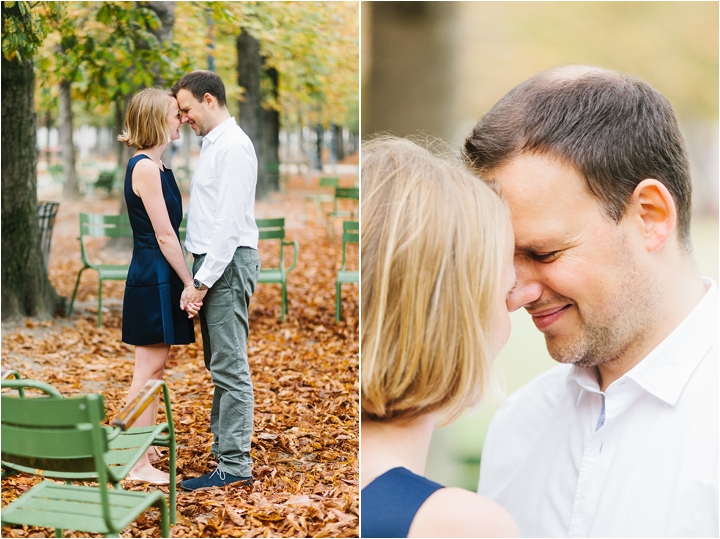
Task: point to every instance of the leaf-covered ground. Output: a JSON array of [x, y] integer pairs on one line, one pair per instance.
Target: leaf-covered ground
[[305, 375]]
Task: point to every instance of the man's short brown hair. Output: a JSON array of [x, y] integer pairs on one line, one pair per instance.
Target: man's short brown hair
[[613, 129]]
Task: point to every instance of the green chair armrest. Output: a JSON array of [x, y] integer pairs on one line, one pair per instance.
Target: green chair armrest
[[129, 414], [7, 373], [294, 243]]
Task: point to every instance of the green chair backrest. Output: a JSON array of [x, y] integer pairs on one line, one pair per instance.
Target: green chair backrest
[[328, 181], [53, 436], [351, 234], [108, 226], [347, 192], [183, 230], [273, 229], [96, 225], [270, 229]]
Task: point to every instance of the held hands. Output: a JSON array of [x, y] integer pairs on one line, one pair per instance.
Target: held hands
[[191, 299], [193, 309]]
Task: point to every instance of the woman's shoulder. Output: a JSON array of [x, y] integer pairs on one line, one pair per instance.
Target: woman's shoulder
[[146, 169], [456, 512]]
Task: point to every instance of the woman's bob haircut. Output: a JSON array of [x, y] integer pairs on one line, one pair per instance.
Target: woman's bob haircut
[[145, 119], [434, 243]]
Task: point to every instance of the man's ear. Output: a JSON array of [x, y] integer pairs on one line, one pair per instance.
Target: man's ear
[[655, 207], [209, 99]]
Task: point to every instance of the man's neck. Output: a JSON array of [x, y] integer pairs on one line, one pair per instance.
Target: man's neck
[[679, 297], [221, 115]]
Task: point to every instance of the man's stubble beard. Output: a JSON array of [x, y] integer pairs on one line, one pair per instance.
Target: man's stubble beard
[[615, 327]]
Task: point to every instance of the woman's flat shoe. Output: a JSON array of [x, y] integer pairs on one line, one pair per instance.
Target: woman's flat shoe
[[156, 456], [134, 477]]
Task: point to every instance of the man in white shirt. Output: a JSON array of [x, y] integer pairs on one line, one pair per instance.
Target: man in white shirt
[[621, 439], [223, 237]]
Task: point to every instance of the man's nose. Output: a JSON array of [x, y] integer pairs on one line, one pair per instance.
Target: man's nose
[[526, 290], [184, 118]]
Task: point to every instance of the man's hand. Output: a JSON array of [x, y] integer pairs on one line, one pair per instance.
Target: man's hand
[[191, 295], [193, 309]]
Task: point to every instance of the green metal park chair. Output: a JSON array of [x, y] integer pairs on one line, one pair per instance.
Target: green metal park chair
[[274, 230], [101, 226], [325, 195], [351, 194], [64, 438], [351, 234]]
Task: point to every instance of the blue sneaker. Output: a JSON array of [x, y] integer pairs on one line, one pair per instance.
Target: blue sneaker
[[217, 478]]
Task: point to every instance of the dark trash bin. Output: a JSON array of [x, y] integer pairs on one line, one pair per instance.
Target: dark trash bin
[[46, 214]]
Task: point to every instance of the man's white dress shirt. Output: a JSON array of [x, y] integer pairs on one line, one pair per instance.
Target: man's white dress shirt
[[221, 214], [639, 460]]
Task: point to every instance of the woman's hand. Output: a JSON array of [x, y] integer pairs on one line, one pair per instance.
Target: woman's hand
[[193, 309]]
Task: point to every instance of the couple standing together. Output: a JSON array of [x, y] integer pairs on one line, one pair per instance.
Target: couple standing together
[[590, 234], [161, 295]]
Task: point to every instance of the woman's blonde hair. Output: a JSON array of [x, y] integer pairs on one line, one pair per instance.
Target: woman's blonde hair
[[433, 248], [145, 119]]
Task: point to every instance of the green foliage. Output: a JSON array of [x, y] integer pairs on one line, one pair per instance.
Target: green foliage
[[312, 45], [23, 29], [108, 50]]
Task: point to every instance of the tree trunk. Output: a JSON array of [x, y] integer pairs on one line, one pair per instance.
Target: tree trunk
[[249, 66], [67, 144], [123, 152], [48, 126], [26, 290], [270, 179]]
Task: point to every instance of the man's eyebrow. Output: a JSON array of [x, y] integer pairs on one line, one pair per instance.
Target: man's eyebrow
[[528, 247], [531, 247]]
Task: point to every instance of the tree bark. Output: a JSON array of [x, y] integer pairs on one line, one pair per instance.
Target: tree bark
[[261, 125], [26, 290], [249, 66], [71, 190], [270, 179]]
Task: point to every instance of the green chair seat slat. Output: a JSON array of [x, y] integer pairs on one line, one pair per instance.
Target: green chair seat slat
[[271, 276], [348, 276], [124, 448], [136, 436], [113, 272], [76, 507]]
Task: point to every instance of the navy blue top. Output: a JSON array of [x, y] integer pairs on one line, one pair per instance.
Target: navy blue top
[[388, 505], [151, 306]]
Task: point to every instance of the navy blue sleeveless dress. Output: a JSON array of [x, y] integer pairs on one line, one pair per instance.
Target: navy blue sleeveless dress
[[388, 505], [151, 306]]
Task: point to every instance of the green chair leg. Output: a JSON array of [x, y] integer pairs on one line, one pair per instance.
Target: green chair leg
[[283, 307], [99, 322], [338, 302], [72, 300]]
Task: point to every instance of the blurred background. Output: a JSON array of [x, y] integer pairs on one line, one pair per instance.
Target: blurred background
[[433, 69]]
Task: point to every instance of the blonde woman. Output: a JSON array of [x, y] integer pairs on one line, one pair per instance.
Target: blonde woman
[[152, 317], [436, 268]]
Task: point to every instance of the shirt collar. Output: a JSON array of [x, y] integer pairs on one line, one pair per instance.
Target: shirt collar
[[219, 129], [665, 371]]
